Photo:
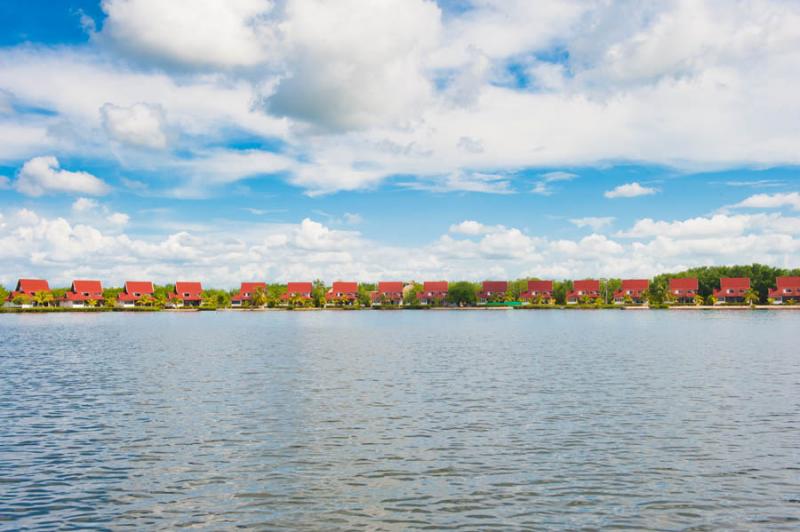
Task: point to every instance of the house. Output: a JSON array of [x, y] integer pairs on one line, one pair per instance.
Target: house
[[28, 288], [190, 293], [538, 290], [342, 292], [300, 291], [433, 292], [683, 289], [635, 289], [492, 291], [732, 290], [388, 292], [81, 292], [246, 291], [134, 290], [589, 288], [788, 289]]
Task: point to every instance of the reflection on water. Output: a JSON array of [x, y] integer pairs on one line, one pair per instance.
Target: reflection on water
[[395, 420]]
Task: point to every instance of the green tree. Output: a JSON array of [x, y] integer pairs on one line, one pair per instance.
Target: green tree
[[318, 291], [259, 297], [711, 300], [146, 301], [698, 300], [3, 295], [22, 299], [607, 289], [363, 297], [462, 294], [751, 297], [410, 298], [43, 298]]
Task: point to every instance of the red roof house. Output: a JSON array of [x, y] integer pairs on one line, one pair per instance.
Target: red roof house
[[80, 292], [388, 292], [190, 292], [492, 291], [246, 291], [298, 290], [29, 287], [732, 289], [683, 289], [134, 290], [586, 288], [787, 288], [537, 289], [433, 292], [633, 288], [344, 292]]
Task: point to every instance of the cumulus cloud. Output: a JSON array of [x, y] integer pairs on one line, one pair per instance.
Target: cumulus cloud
[[141, 124], [43, 175], [772, 201], [469, 227], [118, 218], [596, 223], [84, 204], [629, 190]]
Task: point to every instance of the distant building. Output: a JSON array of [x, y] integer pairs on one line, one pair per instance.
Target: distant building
[[29, 287], [537, 289], [389, 292], [492, 291], [683, 289], [246, 291], [81, 292], [300, 291], [635, 289], [134, 290], [787, 288], [589, 288], [190, 293], [433, 292], [732, 289], [345, 292]]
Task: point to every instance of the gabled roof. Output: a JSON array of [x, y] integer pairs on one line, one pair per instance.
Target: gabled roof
[[344, 287], [194, 290], [540, 286], [435, 286], [385, 287], [635, 284], [586, 285], [31, 286], [141, 287], [683, 283], [734, 282], [788, 282], [299, 288], [251, 287], [494, 286], [93, 287]]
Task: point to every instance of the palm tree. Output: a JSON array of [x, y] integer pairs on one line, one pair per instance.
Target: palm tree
[[751, 297], [91, 303], [698, 300], [42, 298], [146, 300], [259, 297]]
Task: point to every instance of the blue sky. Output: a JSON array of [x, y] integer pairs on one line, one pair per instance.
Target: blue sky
[[289, 140]]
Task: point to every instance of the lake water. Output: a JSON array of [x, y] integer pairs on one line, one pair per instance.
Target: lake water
[[395, 420]]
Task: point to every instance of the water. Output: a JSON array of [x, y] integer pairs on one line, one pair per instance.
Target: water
[[395, 420]]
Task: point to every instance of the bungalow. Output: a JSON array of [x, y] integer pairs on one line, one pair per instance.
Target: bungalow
[[683, 289], [344, 292], [589, 288], [788, 289], [732, 290], [134, 290], [300, 291], [388, 292], [28, 288], [492, 291], [246, 291], [190, 293], [538, 290], [81, 292], [433, 292], [635, 289]]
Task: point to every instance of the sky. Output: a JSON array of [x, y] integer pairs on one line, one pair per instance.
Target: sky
[[238, 140]]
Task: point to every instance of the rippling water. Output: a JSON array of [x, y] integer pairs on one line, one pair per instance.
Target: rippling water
[[396, 420]]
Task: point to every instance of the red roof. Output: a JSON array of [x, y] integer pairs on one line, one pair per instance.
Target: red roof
[[299, 288], [788, 282], [734, 282], [344, 287], [188, 290], [495, 287], [31, 286], [390, 287], [586, 285], [636, 285], [683, 283], [246, 290], [540, 286], [140, 287], [434, 286], [84, 291]]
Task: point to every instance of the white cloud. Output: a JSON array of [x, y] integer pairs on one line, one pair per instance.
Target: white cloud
[[43, 175], [469, 227], [772, 201], [193, 33], [551, 177], [141, 124], [596, 223], [629, 190], [84, 204], [118, 218]]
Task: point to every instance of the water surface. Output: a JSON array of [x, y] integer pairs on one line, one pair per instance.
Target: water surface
[[396, 420]]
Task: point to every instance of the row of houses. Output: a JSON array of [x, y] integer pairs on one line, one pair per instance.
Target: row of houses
[[189, 293]]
